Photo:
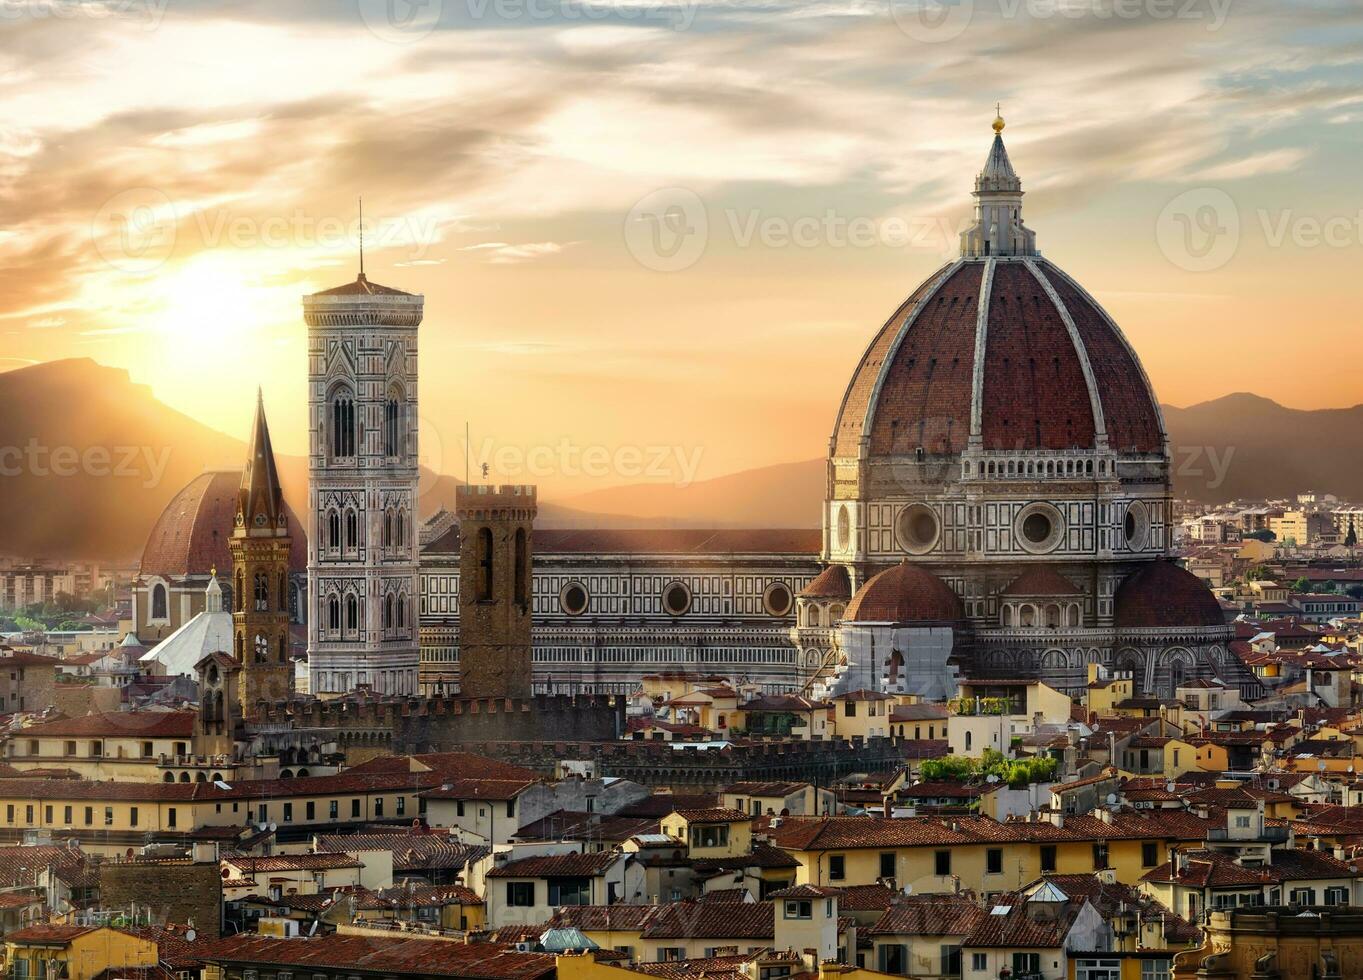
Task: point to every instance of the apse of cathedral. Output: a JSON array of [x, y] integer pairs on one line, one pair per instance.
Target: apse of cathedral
[[998, 506]]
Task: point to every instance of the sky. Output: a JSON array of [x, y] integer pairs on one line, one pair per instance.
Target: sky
[[654, 236]]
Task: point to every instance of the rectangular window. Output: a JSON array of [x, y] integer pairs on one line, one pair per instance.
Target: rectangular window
[[710, 836], [1047, 857], [796, 909], [520, 894], [108, 816], [837, 867], [334, 809], [511, 806], [570, 891], [849, 709], [887, 865], [147, 750], [671, 954], [310, 810], [950, 957], [1026, 963], [378, 806], [993, 861], [942, 862], [67, 815], [459, 807], [1149, 854], [170, 817], [1099, 855], [28, 814], [70, 748], [288, 813], [402, 805], [979, 962], [47, 813], [132, 816], [1242, 821], [89, 816], [9, 813], [354, 808], [892, 958], [1104, 969], [263, 813], [1336, 896], [1157, 969]]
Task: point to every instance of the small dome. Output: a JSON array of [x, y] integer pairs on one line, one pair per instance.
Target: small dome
[[905, 594], [832, 583], [1164, 595]]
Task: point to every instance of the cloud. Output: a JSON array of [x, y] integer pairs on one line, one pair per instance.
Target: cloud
[[502, 253], [1270, 162]]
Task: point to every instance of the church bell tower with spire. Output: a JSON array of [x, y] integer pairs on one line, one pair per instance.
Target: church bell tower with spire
[[260, 546]]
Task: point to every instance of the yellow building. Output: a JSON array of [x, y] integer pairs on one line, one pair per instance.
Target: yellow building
[[74, 952], [124, 745], [862, 714], [714, 832], [778, 799]]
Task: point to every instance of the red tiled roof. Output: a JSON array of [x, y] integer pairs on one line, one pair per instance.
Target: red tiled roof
[[1041, 580], [712, 920], [557, 865], [1019, 928], [292, 862], [479, 789], [362, 287], [411, 852], [714, 814], [49, 933], [764, 789], [376, 954], [905, 594], [935, 915], [117, 724]]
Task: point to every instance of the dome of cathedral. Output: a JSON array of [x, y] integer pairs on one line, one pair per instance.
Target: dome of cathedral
[[905, 594], [998, 351], [190, 537], [1162, 594]]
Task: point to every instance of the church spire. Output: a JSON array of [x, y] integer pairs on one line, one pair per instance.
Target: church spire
[[260, 501], [998, 228]]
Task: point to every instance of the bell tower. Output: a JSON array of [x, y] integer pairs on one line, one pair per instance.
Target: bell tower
[[495, 590], [260, 566]]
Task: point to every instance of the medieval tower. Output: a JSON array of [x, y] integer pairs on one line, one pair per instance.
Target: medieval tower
[[495, 561], [362, 488], [260, 545]]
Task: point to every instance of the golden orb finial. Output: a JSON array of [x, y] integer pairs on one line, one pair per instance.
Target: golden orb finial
[[998, 118]]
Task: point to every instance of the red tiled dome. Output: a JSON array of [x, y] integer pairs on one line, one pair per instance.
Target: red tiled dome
[[1163, 594], [831, 583], [190, 537], [905, 594], [916, 381], [1041, 580]]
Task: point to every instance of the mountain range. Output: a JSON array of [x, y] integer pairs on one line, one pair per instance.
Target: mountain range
[[88, 460]]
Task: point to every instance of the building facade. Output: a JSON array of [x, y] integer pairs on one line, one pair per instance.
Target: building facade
[[362, 552]]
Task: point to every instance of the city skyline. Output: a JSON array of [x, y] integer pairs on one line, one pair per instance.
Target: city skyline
[[171, 215]]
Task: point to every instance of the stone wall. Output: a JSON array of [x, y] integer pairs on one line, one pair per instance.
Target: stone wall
[[175, 892]]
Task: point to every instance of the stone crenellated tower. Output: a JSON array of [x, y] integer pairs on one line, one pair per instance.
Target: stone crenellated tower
[[362, 488], [260, 546], [495, 567]]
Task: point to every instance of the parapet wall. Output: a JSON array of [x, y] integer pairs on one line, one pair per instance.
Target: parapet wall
[[408, 725]]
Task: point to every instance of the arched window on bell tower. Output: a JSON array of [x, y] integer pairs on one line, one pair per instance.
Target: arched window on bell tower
[[334, 531], [341, 418], [485, 563], [262, 592], [334, 614], [352, 614], [393, 423], [262, 648], [352, 529], [241, 591]]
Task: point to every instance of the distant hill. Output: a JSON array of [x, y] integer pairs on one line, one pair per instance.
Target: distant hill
[[88, 460], [137, 453]]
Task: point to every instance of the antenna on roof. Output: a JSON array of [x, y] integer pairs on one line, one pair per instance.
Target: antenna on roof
[[361, 236]]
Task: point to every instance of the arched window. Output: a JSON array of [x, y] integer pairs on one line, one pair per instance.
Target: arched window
[[333, 614], [241, 647], [352, 614], [333, 530], [387, 528], [968, 740], [522, 570], [262, 592], [485, 563], [217, 705], [402, 610], [262, 648], [388, 611], [399, 530], [241, 591], [283, 593], [283, 648], [352, 529], [158, 601], [342, 424], [393, 423]]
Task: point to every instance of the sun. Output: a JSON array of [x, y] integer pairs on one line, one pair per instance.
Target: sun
[[217, 296]]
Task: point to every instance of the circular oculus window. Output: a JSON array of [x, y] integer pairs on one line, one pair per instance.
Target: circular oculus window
[[777, 599], [1039, 528], [1136, 525], [844, 528], [573, 599], [917, 528], [676, 599]]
